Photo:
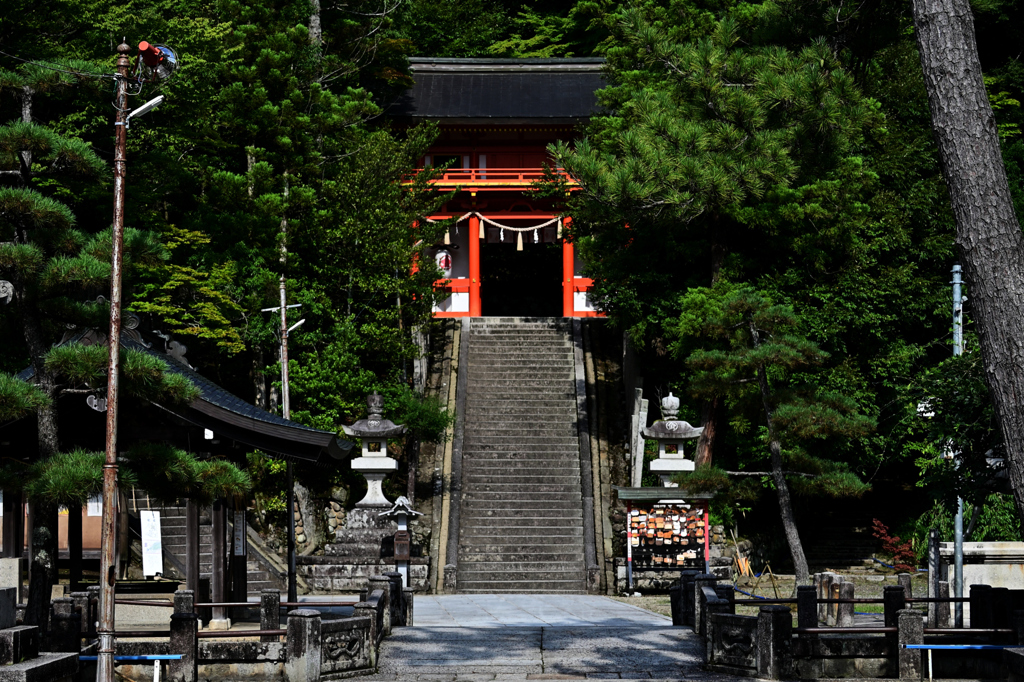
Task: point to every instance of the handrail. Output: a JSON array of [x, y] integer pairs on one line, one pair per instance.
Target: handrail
[[138, 602]]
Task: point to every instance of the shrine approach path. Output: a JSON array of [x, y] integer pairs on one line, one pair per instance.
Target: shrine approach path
[[538, 637]]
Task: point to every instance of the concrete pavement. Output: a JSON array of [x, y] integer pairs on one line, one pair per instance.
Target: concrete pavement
[[538, 637]]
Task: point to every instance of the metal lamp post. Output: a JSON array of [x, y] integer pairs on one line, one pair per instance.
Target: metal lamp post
[[160, 62]]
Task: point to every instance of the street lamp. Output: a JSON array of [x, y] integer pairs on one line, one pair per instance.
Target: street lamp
[[155, 63]]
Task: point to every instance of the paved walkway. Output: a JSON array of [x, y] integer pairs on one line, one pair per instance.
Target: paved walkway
[[538, 637]]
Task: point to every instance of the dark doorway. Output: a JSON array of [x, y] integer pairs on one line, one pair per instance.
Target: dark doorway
[[525, 283]]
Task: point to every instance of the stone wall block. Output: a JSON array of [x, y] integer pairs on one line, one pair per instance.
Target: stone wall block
[[81, 600], [942, 608]]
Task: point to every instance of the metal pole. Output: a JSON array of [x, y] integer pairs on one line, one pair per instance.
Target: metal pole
[[108, 538], [958, 525], [286, 413]]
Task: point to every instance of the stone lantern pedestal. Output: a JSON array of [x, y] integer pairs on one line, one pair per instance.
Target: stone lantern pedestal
[[365, 545]]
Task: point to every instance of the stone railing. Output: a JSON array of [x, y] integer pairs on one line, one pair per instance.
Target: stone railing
[[310, 648], [827, 644]]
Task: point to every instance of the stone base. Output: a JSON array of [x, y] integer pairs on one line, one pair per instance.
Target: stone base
[[328, 574], [19, 643], [44, 668]]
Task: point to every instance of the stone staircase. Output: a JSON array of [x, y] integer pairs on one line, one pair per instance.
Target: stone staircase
[[521, 526], [172, 536]]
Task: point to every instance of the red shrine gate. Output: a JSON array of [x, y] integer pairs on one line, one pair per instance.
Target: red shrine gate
[[506, 255]]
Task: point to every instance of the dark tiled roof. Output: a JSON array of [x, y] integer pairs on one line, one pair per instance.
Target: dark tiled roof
[[502, 89], [227, 414]]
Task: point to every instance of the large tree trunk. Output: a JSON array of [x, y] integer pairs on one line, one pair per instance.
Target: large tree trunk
[[988, 234]]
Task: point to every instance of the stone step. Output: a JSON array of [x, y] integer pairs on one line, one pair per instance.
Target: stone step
[[483, 549], [522, 479], [524, 557], [497, 459], [535, 580], [491, 434], [526, 538], [506, 396], [567, 410], [493, 589], [483, 505], [524, 439], [564, 356], [555, 520], [493, 470], [526, 489], [501, 362]]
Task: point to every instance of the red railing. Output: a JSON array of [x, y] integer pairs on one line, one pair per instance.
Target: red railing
[[485, 177]]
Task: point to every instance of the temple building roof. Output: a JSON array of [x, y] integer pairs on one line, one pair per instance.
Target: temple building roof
[[509, 90]]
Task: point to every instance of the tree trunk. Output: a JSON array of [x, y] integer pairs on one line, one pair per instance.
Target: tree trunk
[[43, 569], [705, 454], [796, 548], [988, 233]]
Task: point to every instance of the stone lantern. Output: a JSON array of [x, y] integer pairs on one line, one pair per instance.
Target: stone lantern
[[400, 513], [374, 464], [671, 432]]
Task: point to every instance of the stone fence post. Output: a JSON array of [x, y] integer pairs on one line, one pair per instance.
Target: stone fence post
[[1002, 608], [184, 601], [894, 600], [675, 600], [903, 580], [184, 641], [911, 631], [407, 600], [687, 595], [942, 610], [397, 598], [302, 657], [807, 606], [66, 632], [844, 612], [450, 573], [379, 582], [81, 600], [270, 613], [700, 581], [980, 600], [775, 641], [365, 609], [94, 608]]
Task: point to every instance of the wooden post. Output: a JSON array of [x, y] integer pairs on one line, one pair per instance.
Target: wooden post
[[568, 272], [192, 545], [474, 266], [12, 506], [75, 546], [218, 579]]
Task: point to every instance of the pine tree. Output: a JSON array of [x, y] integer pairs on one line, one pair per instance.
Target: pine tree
[[757, 358]]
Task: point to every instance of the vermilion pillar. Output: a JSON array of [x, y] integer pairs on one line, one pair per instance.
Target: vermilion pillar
[[474, 266], [568, 271]]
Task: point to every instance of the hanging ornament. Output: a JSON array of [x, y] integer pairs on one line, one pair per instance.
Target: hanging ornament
[[447, 237], [559, 228], [519, 241], [444, 262], [536, 237], [503, 235]]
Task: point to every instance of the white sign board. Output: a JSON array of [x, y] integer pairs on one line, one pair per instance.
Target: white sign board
[[152, 548], [95, 506]]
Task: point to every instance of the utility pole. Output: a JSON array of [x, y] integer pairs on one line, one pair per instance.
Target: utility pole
[[108, 542], [958, 525], [286, 412]]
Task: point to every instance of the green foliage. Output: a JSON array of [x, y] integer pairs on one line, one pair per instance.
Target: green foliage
[[18, 398], [752, 353], [168, 474]]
